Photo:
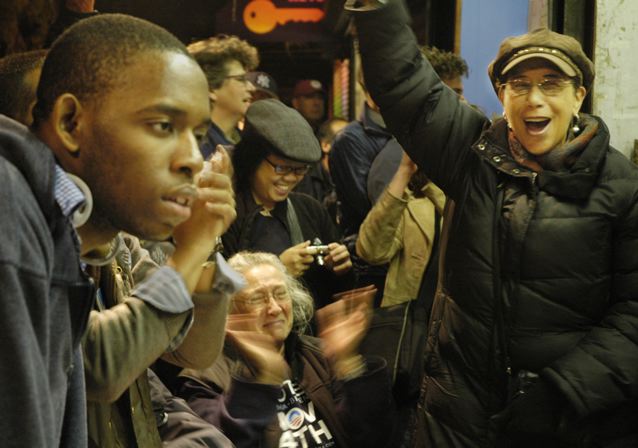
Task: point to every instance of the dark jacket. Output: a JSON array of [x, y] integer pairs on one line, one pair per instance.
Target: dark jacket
[[45, 302], [314, 222], [214, 136], [358, 412], [351, 157], [540, 273]]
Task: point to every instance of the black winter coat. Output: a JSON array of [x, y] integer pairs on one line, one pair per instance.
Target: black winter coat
[[540, 273]]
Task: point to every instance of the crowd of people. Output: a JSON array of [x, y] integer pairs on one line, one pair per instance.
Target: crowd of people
[[188, 257]]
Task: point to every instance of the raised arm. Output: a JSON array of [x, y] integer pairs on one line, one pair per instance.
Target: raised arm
[[381, 234], [154, 318], [432, 124]]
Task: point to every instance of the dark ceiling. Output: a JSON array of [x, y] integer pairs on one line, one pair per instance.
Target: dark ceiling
[[287, 61]]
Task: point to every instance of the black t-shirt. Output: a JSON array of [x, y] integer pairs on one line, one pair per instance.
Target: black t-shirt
[[300, 423]]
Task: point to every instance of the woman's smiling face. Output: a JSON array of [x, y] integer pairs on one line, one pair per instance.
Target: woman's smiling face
[[540, 119], [269, 187]]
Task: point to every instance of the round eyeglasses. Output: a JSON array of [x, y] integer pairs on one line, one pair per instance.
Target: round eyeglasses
[[548, 86], [259, 299]]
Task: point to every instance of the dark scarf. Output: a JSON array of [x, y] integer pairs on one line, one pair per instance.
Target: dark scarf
[[560, 158]]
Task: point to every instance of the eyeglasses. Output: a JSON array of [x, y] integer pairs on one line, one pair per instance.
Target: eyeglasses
[[241, 78], [549, 86], [287, 169], [261, 298]]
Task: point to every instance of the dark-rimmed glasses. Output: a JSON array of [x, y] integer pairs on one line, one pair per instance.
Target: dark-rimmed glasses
[[548, 86], [287, 169]]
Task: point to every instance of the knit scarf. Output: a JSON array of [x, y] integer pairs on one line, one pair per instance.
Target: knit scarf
[[560, 158]]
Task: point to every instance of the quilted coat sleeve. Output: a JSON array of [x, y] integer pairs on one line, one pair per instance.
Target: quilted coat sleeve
[[601, 372], [430, 121]]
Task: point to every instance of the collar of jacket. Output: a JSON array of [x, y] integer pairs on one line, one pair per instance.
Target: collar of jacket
[[33, 159], [575, 184], [246, 206]]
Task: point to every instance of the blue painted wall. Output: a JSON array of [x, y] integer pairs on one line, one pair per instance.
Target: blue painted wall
[[484, 24]]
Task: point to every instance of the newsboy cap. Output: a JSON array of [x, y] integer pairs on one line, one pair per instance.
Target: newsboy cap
[[563, 51], [284, 129]]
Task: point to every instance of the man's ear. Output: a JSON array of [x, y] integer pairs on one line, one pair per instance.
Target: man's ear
[[66, 119], [295, 102]]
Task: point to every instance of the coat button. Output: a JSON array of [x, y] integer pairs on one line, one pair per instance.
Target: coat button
[[516, 171], [481, 146], [497, 159]]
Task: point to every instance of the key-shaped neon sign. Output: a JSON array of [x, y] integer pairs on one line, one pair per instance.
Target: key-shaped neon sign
[[262, 16]]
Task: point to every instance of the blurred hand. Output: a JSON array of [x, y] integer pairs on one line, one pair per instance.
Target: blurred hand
[[338, 259], [343, 324], [264, 362], [296, 259], [214, 209]]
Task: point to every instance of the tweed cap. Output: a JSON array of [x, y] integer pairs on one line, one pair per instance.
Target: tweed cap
[[284, 128], [563, 51]]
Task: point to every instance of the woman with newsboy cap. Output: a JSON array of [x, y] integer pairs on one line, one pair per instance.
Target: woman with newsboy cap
[[275, 153], [533, 338]]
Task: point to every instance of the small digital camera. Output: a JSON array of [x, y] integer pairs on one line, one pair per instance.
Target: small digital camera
[[318, 250]]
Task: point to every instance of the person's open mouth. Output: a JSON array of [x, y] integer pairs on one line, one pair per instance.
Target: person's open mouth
[[536, 126]]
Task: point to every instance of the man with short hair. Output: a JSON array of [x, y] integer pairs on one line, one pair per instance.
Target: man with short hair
[[19, 74], [309, 98], [226, 61], [120, 108], [450, 67]]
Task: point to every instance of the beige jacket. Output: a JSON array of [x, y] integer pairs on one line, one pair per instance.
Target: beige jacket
[[400, 231], [123, 340]]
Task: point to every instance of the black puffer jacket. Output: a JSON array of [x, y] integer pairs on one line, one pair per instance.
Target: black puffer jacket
[[540, 273]]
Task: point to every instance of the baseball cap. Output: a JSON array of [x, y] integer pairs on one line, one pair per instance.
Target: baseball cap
[[264, 82], [306, 87]]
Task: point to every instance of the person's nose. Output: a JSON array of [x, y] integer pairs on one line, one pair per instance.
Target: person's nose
[[250, 86], [188, 158], [273, 307], [291, 177], [535, 96]]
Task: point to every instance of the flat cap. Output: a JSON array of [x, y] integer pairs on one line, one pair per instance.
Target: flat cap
[[563, 51], [284, 128]]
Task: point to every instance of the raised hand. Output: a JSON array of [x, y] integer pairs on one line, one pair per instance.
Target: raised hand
[[264, 363], [211, 215], [297, 259], [342, 325], [214, 209]]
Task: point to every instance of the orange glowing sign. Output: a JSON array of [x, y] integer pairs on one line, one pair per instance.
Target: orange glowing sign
[[262, 16]]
